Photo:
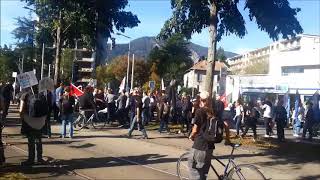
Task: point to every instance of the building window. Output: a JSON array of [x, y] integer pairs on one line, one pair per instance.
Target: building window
[[291, 70], [199, 77]]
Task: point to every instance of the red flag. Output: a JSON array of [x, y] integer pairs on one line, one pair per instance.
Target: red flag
[[223, 98], [75, 91]]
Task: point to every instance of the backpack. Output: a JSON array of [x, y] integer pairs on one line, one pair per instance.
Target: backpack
[[213, 131], [65, 104], [257, 114], [37, 105]]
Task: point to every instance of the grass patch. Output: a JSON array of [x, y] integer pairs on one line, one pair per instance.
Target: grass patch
[[12, 176], [273, 146]]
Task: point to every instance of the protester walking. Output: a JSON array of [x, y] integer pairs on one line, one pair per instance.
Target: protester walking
[[267, 116], [67, 107], [251, 119], [186, 112], [309, 117], [298, 118], [7, 94], [280, 116], [137, 120], [199, 161], [164, 112], [145, 109], [239, 116], [121, 106]]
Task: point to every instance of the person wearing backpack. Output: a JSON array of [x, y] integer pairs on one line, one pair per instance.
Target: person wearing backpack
[[67, 104], [204, 139], [33, 112], [280, 116]]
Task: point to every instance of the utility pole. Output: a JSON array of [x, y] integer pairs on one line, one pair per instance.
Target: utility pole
[[42, 60], [22, 62], [128, 68], [132, 71], [49, 72]]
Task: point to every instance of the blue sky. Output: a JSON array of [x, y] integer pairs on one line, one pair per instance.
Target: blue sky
[[153, 14]]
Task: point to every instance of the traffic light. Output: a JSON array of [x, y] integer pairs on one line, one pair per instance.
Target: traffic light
[[113, 43]]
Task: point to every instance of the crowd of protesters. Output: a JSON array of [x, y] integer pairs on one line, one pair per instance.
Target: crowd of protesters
[[137, 108]]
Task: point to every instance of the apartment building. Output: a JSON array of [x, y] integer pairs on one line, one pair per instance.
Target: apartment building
[[293, 65]]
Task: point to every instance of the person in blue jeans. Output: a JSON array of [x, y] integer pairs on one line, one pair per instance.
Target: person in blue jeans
[[164, 115], [137, 120], [239, 116], [67, 103]]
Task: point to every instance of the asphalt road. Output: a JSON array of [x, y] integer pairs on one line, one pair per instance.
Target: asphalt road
[[108, 154]]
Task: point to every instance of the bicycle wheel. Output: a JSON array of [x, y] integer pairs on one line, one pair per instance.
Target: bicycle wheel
[[79, 122], [182, 166], [94, 121], [245, 171]]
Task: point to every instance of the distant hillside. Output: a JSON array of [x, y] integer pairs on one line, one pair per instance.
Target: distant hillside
[[141, 47]]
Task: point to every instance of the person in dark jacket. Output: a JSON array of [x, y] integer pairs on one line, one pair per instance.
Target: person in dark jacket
[[164, 110], [137, 120], [280, 116], [309, 117], [121, 105], [250, 120], [31, 127], [186, 112], [87, 102], [67, 104], [7, 93]]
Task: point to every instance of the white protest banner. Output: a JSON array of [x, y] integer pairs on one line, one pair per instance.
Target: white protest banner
[[27, 79], [14, 74]]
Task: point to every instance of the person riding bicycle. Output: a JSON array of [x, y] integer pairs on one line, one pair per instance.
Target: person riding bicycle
[[86, 102], [200, 156]]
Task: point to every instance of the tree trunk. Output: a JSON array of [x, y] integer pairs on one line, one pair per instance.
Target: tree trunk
[[58, 52], [211, 49]]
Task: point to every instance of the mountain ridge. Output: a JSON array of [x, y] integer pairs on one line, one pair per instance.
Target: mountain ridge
[[142, 46]]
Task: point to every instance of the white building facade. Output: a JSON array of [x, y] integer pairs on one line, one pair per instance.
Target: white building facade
[[196, 75], [294, 65]]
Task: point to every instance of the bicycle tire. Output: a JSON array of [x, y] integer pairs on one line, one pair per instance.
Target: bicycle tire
[[182, 166], [245, 171], [79, 123]]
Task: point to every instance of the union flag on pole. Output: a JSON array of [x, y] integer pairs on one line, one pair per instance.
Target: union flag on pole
[[75, 91]]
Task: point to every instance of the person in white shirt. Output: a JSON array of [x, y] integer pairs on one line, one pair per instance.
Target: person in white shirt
[[239, 116], [267, 116]]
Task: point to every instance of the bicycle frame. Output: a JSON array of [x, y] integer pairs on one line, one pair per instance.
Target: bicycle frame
[[226, 166]]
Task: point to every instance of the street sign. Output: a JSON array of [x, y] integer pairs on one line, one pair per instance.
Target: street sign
[[14, 74], [27, 79], [152, 84]]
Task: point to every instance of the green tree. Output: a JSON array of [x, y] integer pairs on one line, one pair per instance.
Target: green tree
[[222, 17], [8, 63], [66, 64], [91, 21], [172, 58], [117, 69]]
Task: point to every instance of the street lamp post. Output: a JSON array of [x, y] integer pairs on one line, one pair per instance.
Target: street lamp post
[[42, 60], [128, 67]]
